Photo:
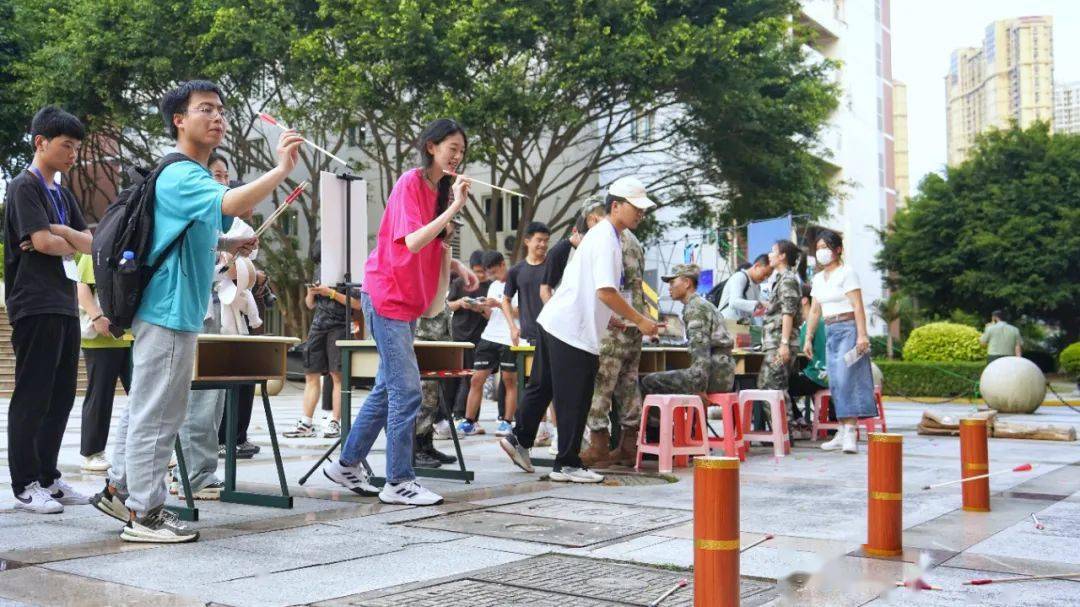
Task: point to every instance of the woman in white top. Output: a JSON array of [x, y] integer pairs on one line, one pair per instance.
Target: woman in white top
[[837, 297]]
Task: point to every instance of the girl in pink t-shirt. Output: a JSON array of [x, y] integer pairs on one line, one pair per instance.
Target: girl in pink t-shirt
[[401, 280]]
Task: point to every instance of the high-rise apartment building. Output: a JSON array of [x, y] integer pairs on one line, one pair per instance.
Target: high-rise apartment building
[[1009, 78], [1067, 107], [900, 142]]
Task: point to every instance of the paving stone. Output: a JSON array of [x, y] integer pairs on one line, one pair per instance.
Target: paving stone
[[1059, 541], [527, 528], [471, 593], [1043, 593], [597, 512]]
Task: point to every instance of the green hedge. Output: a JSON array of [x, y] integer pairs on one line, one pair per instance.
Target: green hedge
[[1070, 360], [944, 342], [907, 378]]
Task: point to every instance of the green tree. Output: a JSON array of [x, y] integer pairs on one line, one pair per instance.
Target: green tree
[[553, 92], [14, 113], [999, 231]]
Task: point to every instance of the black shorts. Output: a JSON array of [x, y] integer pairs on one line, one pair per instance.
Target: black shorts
[[491, 356], [321, 355]]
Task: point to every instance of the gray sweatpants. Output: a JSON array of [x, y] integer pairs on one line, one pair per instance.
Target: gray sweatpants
[[199, 432], [162, 361]]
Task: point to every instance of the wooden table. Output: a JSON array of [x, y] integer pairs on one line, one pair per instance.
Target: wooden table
[[437, 360], [653, 359], [228, 362]]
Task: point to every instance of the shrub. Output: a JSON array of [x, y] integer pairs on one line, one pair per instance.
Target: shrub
[[906, 378], [879, 347], [1070, 360], [944, 342]]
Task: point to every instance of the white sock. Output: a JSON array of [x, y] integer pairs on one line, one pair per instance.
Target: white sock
[[305, 419]]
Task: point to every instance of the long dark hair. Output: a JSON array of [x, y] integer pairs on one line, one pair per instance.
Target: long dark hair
[[436, 133], [792, 256]]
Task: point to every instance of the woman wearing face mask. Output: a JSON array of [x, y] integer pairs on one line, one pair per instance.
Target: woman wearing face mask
[[838, 297]]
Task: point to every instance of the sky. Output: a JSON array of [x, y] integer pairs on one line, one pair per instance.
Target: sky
[[925, 32]]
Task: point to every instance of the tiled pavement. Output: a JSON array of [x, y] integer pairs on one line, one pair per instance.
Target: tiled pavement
[[510, 538]]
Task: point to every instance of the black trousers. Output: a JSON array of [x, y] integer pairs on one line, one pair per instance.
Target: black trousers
[[243, 416], [566, 375], [103, 367], [46, 369]]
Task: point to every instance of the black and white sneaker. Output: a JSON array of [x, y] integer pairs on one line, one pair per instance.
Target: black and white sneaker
[[569, 474], [354, 479], [66, 494], [37, 500], [409, 493], [247, 450], [303, 430], [158, 526], [110, 502], [518, 454]]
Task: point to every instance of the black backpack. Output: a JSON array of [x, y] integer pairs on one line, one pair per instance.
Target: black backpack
[[128, 225], [718, 291]]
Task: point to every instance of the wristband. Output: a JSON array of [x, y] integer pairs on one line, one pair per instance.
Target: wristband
[[95, 319], [785, 342]]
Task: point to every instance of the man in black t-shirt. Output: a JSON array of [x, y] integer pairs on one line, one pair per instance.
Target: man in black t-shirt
[[468, 322], [43, 229], [524, 280], [322, 356]]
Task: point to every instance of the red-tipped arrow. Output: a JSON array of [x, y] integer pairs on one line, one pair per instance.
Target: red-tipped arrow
[[268, 119], [1020, 468], [759, 542]]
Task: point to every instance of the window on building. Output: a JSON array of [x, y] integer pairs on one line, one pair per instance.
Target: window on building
[[357, 134], [488, 201], [515, 212]]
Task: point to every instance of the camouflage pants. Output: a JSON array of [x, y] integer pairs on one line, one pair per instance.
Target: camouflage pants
[[679, 381], [774, 373], [617, 377], [429, 406]]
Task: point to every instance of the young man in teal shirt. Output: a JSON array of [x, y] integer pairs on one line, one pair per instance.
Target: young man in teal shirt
[[174, 303]]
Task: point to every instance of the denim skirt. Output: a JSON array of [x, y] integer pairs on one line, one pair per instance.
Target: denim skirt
[[851, 388]]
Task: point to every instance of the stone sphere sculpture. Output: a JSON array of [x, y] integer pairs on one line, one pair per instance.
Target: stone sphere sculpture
[[1013, 385], [273, 388]]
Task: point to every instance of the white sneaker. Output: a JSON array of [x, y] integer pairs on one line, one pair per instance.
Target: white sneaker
[[837, 441], [354, 479], [95, 463], [851, 441], [331, 429], [37, 500], [442, 430], [570, 474], [553, 448], [410, 494], [66, 494]]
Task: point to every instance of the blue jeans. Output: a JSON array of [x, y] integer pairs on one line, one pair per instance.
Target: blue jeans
[[851, 388], [393, 402]]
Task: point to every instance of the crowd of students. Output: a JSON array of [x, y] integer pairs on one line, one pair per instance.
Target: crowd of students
[[195, 207], [583, 311]]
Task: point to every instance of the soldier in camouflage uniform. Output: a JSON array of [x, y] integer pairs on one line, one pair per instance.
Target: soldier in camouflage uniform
[[785, 301], [617, 375], [425, 455], [712, 368]]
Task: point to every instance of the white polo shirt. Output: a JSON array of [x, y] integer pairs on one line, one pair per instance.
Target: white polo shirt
[[574, 314]]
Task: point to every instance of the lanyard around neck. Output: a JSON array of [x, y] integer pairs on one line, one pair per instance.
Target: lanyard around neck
[[54, 196]]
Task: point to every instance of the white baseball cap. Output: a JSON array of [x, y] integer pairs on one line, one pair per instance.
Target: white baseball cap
[[631, 189]]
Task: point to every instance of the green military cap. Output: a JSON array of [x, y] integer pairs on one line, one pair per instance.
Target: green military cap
[[689, 270]]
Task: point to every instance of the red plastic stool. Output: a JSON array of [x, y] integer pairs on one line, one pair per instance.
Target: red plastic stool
[[731, 441], [682, 429], [778, 435], [821, 417]]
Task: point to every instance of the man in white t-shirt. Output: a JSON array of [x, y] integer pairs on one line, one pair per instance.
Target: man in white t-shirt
[[571, 327], [492, 352]]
